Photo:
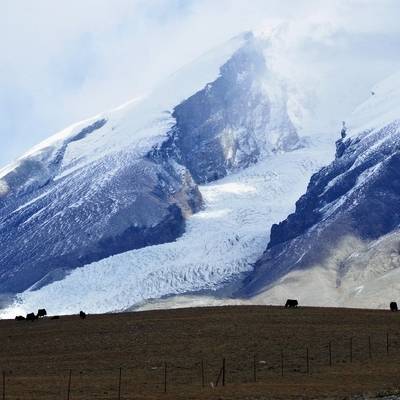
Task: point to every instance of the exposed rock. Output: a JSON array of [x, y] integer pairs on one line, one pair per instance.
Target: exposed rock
[[357, 195], [227, 125]]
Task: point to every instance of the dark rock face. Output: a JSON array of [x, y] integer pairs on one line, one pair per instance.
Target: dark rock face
[[340, 148], [358, 194], [225, 126]]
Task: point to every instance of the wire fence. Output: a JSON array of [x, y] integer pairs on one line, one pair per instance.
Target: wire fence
[[167, 376]]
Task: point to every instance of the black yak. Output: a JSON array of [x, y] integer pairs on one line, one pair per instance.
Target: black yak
[[19, 318], [82, 314], [290, 303], [41, 313], [30, 317], [393, 306]]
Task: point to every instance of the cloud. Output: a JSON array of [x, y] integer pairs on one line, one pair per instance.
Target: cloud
[[63, 61]]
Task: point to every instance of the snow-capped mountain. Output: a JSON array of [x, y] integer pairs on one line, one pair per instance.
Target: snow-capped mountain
[[341, 245], [125, 180], [175, 193]]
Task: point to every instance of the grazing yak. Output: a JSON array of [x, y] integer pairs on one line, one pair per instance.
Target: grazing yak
[[82, 314], [31, 316], [393, 306], [291, 303], [19, 318], [41, 313]]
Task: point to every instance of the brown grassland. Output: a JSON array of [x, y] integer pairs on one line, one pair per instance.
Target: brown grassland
[[36, 357]]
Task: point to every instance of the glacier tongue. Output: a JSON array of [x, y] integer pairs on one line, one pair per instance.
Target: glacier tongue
[[219, 245]]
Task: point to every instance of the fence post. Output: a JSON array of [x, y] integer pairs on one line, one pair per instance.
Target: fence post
[[119, 383], [223, 372], [308, 362], [330, 354], [218, 377], [351, 349], [69, 384], [202, 374], [165, 377], [282, 362], [255, 368], [4, 385], [387, 343], [369, 348]]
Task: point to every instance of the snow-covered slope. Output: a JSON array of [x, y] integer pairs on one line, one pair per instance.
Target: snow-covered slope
[[341, 246], [381, 108]]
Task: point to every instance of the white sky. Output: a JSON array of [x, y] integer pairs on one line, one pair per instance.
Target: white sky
[[66, 60]]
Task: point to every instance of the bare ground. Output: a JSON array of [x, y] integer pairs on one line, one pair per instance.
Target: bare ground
[[254, 340]]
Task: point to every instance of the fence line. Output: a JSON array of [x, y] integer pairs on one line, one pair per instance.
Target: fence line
[[255, 366]]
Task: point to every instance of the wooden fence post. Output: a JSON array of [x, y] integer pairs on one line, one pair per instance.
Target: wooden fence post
[[218, 377], [330, 354], [165, 377], [369, 348], [119, 383], [202, 374], [255, 368], [351, 349], [69, 384], [223, 372], [387, 343]]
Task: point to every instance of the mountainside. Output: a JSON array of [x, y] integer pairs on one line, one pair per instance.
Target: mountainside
[[128, 179], [342, 243], [170, 199], [220, 243]]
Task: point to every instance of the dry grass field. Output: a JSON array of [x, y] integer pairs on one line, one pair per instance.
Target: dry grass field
[[37, 357]]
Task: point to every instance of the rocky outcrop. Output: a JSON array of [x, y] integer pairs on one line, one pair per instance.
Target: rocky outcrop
[[227, 125]]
